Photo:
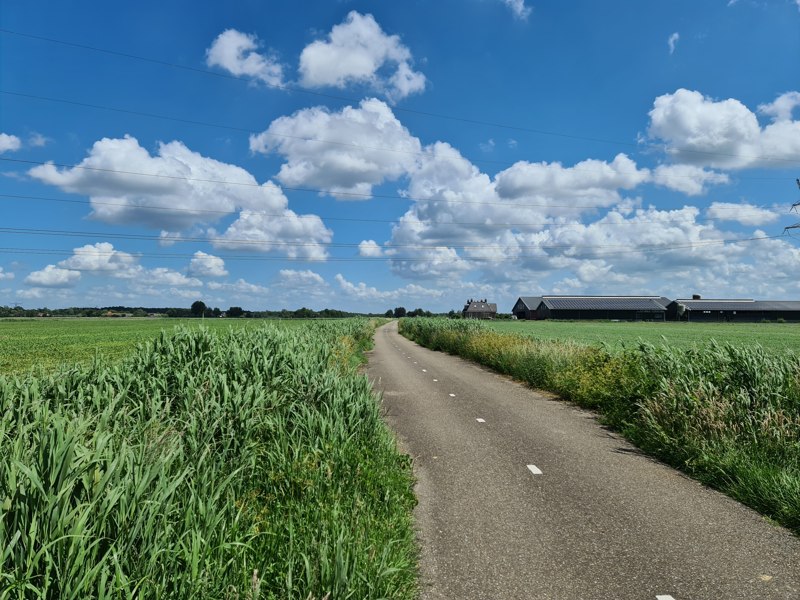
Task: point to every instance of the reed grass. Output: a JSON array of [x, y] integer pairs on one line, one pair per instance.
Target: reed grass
[[243, 464], [729, 415]]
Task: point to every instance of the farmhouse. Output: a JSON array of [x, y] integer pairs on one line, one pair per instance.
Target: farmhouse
[[738, 309], [623, 308], [479, 309]]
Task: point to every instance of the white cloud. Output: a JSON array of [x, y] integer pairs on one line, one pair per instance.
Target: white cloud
[[487, 146], [9, 143], [699, 130], [100, 257], [673, 39], [689, 179], [357, 51], [207, 265], [53, 277], [519, 9], [362, 291], [365, 147], [783, 106], [746, 214], [239, 287], [5, 275], [164, 276], [305, 278], [590, 181], [182, 192], [369, 248], [235, 52], [37, 140], [296, 236]]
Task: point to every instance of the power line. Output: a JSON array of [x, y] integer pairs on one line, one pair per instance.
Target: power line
[[434, 246], [296, 137], [297, 89], [299, 189], [494, 224], [366, 259]]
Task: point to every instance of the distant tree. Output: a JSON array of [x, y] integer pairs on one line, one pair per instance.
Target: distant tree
[[389, 314], [235, 312], [216, 312], [304, 313], [399, 312], [198, 308]]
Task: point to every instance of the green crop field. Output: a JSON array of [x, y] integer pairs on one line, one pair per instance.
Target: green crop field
[[49, 343], [241, 462], [772, 336]]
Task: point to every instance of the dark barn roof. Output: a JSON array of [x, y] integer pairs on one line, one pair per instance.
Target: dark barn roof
[[530, 302], [639, 303], [743, 305]]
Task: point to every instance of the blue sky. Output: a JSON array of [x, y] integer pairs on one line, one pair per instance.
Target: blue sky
[[367, 155]]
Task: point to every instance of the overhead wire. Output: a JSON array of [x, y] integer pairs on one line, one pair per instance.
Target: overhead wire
[[302, 90], [335, 193], [494, 224]]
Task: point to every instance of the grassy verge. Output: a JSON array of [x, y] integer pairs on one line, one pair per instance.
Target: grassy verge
[[728, 415], [251, 463]]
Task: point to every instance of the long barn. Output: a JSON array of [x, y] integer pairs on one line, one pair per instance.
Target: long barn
[[742, 309], [623, 308]]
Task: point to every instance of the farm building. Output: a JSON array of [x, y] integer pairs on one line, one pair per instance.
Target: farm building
[[742, 309], [479, 309], [623, 308]]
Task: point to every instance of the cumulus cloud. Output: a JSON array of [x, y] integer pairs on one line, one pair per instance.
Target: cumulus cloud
[[296, 236], [305, 278], [100, 257], [689, 179], [672, 40], [363, 291], [236, 52], [5, 275], [696, 129], [357, 51], [783, 106], [746, 214], [9, 143], [240, 287], [362, 147], [370, 249], [589, 181], [181, 187], [53, 277], [207, 265], [518, 8], [37, 140]]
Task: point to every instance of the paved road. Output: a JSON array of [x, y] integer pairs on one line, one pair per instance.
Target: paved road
[[521, 496]]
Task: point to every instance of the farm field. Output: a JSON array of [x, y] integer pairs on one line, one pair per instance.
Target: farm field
[[778, 337], [48, 343], [247, 462]]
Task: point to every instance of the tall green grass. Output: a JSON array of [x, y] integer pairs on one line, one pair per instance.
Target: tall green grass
[[246, 464], [729, 415]]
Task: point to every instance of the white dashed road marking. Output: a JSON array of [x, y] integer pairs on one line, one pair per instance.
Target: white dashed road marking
[[452, 395], [664, 597], [436, 380], [424, 370], [534, 469], [479, 420]]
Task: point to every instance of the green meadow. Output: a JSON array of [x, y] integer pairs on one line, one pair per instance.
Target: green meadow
[[772, 336], [50, 342]]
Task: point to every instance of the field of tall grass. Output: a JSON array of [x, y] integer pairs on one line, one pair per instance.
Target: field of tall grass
[[251, 463], [728, 415]]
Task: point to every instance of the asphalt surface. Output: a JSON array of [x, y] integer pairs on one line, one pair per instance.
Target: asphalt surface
[[600, 520]]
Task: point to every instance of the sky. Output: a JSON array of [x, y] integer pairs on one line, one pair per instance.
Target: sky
[[365, 155]]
